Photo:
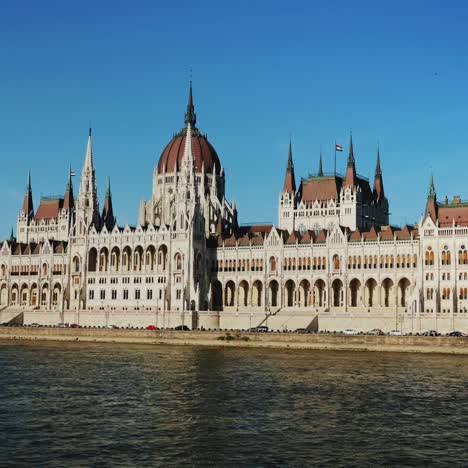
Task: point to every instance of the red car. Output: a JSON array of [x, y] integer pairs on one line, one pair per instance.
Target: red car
[[75, 325], [152, 327]]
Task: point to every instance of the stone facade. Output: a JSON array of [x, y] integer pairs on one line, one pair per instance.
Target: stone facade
[[334, 262]]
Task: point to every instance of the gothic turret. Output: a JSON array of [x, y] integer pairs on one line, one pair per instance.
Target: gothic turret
[[68, 199], [431, 205], [378, 181], [290, 180], [108, 218], [350, 179]]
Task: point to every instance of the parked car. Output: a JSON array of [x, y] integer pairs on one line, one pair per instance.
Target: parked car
[[350, 331], [456, 333], [375, 331], [34, 324], [431, 333], [75, 325], [301, 330], [259, 329], [62, 325], [395, 333], [152, 327], [182, 327]]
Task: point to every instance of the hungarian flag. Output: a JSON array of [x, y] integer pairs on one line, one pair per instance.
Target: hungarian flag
[[72, 173], [338, 147]]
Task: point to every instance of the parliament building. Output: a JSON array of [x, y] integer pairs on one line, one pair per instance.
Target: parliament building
[[333, 261]]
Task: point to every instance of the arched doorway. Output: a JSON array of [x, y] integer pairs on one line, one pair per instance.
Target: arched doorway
[[229, 292], [354, 289], [289, 289], [243, 293], [319, 293], [304, 293], [257, 289], [403, 291], [273, 293], [387, 292], [369, 292], [92, 259], [337, 288], [217, 295], [3, 295]]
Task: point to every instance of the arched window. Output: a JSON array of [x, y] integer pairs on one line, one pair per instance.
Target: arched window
[[429, 257], [336, 262], [272, 264], [178, 261]]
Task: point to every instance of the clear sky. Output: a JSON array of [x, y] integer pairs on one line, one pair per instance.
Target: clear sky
[[395, 74]]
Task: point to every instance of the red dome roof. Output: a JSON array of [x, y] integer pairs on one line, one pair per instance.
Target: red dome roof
[[171, 157]]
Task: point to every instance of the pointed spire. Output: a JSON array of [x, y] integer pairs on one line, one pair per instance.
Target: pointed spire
[[87, 202], [431, 205], [431, 195], [28, 208], [89, 150], [320, 169], [351, 151], [378, 180], [108, 218], [290, 180], [190, 116], [350, 179], [378, 170], [69, 199], [12, 237]]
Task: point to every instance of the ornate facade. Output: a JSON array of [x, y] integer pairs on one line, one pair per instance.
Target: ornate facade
[[333, 262]]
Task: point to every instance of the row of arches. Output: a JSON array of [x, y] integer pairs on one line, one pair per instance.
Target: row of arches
[[31, 295], [307, 294], [127, 259]]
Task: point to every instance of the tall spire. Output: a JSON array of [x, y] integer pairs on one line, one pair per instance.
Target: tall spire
[[431, 204], [108, 218], [190, 116], [320, 168], [290, 180], [28, 208], [350, 179], [378, 180], [12, 237], [87, 201]]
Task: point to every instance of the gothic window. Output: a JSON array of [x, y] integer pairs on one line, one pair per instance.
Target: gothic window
[[429, 257], [272, 264], [462, 256], [336, 262]]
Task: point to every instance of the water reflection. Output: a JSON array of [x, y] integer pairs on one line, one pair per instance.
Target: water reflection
[[80, 404]]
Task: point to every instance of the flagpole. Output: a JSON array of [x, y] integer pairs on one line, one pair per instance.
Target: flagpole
[[335, 158]]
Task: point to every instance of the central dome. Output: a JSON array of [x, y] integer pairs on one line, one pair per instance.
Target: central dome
[[203, 151]]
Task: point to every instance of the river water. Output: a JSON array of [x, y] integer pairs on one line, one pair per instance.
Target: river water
[[78, 404]]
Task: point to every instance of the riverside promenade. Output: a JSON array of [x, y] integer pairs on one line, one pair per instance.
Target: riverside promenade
[[335, 342]]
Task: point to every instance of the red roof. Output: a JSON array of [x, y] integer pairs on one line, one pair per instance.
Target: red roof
[[202, 151], [49, 208]]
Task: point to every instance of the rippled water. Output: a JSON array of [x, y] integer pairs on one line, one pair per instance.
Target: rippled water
[[82, 404]]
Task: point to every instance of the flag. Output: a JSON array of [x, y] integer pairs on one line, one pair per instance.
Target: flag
[[72, 173], [338, 147]]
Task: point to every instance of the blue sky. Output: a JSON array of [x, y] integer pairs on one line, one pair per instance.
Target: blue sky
[[395, 74]]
